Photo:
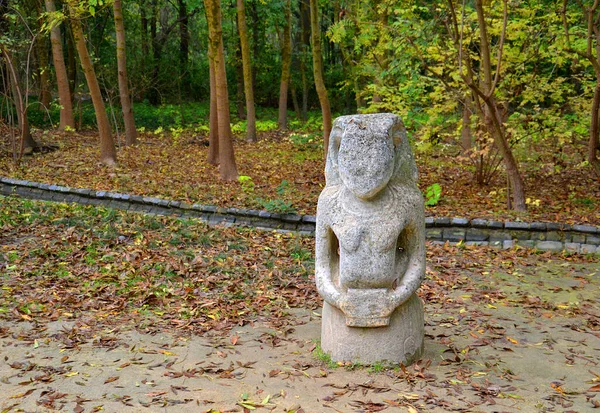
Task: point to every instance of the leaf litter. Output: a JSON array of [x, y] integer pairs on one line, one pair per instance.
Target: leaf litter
[[100, 309], [288, 176]]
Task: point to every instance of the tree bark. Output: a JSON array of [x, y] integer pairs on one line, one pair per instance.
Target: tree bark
[[213, 135], [491, 114], [126, 106], [71, 62], [153, 95], [43, 62], [305, 30], [594, 143], [108, 153], [286, 58], [466, 141], [227, 166], [318, 72], [60, 69], [27, 144], [144, 34], [247, 69]]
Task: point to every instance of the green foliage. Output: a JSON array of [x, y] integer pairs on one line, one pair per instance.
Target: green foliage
[[279, 205], [433, 194], [247, 184], [319, 354]]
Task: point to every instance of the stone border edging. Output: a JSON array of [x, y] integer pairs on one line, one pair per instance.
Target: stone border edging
[[548, 236]]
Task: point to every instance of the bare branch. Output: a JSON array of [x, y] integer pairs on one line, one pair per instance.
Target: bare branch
[[500, 48]]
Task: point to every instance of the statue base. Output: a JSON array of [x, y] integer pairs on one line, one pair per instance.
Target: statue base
[[399, 342]]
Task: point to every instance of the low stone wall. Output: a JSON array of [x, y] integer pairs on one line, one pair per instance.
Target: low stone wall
[[549, 236]]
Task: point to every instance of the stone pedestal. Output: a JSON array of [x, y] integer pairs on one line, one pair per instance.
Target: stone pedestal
[[399, 342]]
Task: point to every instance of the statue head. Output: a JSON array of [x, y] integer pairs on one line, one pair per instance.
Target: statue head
[[368, 152]]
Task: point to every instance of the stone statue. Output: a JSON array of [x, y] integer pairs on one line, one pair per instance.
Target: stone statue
[[370, 243]]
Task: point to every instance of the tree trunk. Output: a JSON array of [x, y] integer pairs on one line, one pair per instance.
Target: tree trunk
[[153, 95], [108, 153], [213, 135], [305, 29], [184, 36], [318, 72], [144, 35], [297, 109], [126, 107], [239, 80], [43, 62], [593, 144], [27, 144], [286, 58], [227, 167], [62, 80], [492, 118], [247, 69], [71, 62], [466, 139]]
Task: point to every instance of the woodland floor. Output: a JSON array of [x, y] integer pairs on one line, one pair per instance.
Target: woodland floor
[[287, 173], [102, 310]]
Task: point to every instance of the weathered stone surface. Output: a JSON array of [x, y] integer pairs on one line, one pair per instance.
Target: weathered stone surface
[[399, 342], [499, 236], [572, 247], [370, 243], [454, 234], [588, 249], [474, 234], [590, 239], [433, 233], [479, 223], [578, 238], [516, 225], [459, 222], [555, 246], [527, 243], [585, 228], [508, 244]]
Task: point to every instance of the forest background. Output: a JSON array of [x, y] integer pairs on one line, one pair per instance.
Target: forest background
[[501, 98]]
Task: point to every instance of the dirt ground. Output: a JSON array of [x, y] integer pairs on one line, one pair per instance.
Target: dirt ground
[[533, 346]]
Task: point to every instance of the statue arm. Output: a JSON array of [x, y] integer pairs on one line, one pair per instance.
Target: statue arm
[[415, 272], [323, 276]]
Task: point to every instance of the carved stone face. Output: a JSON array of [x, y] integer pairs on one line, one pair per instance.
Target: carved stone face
[[365, 160]]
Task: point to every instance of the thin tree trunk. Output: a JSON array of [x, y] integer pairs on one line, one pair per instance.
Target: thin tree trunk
[[493, 119], [126, 106], [213, 135], [144, 35], [593, 144], [297, 109], [286, 58], [71, 62], [108, 153], [239, 80], [27, 144], [305, 30], [247, 69], [227, 166], [466, 140], [318, 72], [62, 80], [184, 36], [43, 62], [153, 95]]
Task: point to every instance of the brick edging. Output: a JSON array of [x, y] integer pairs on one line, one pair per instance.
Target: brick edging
[[541, 235]]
